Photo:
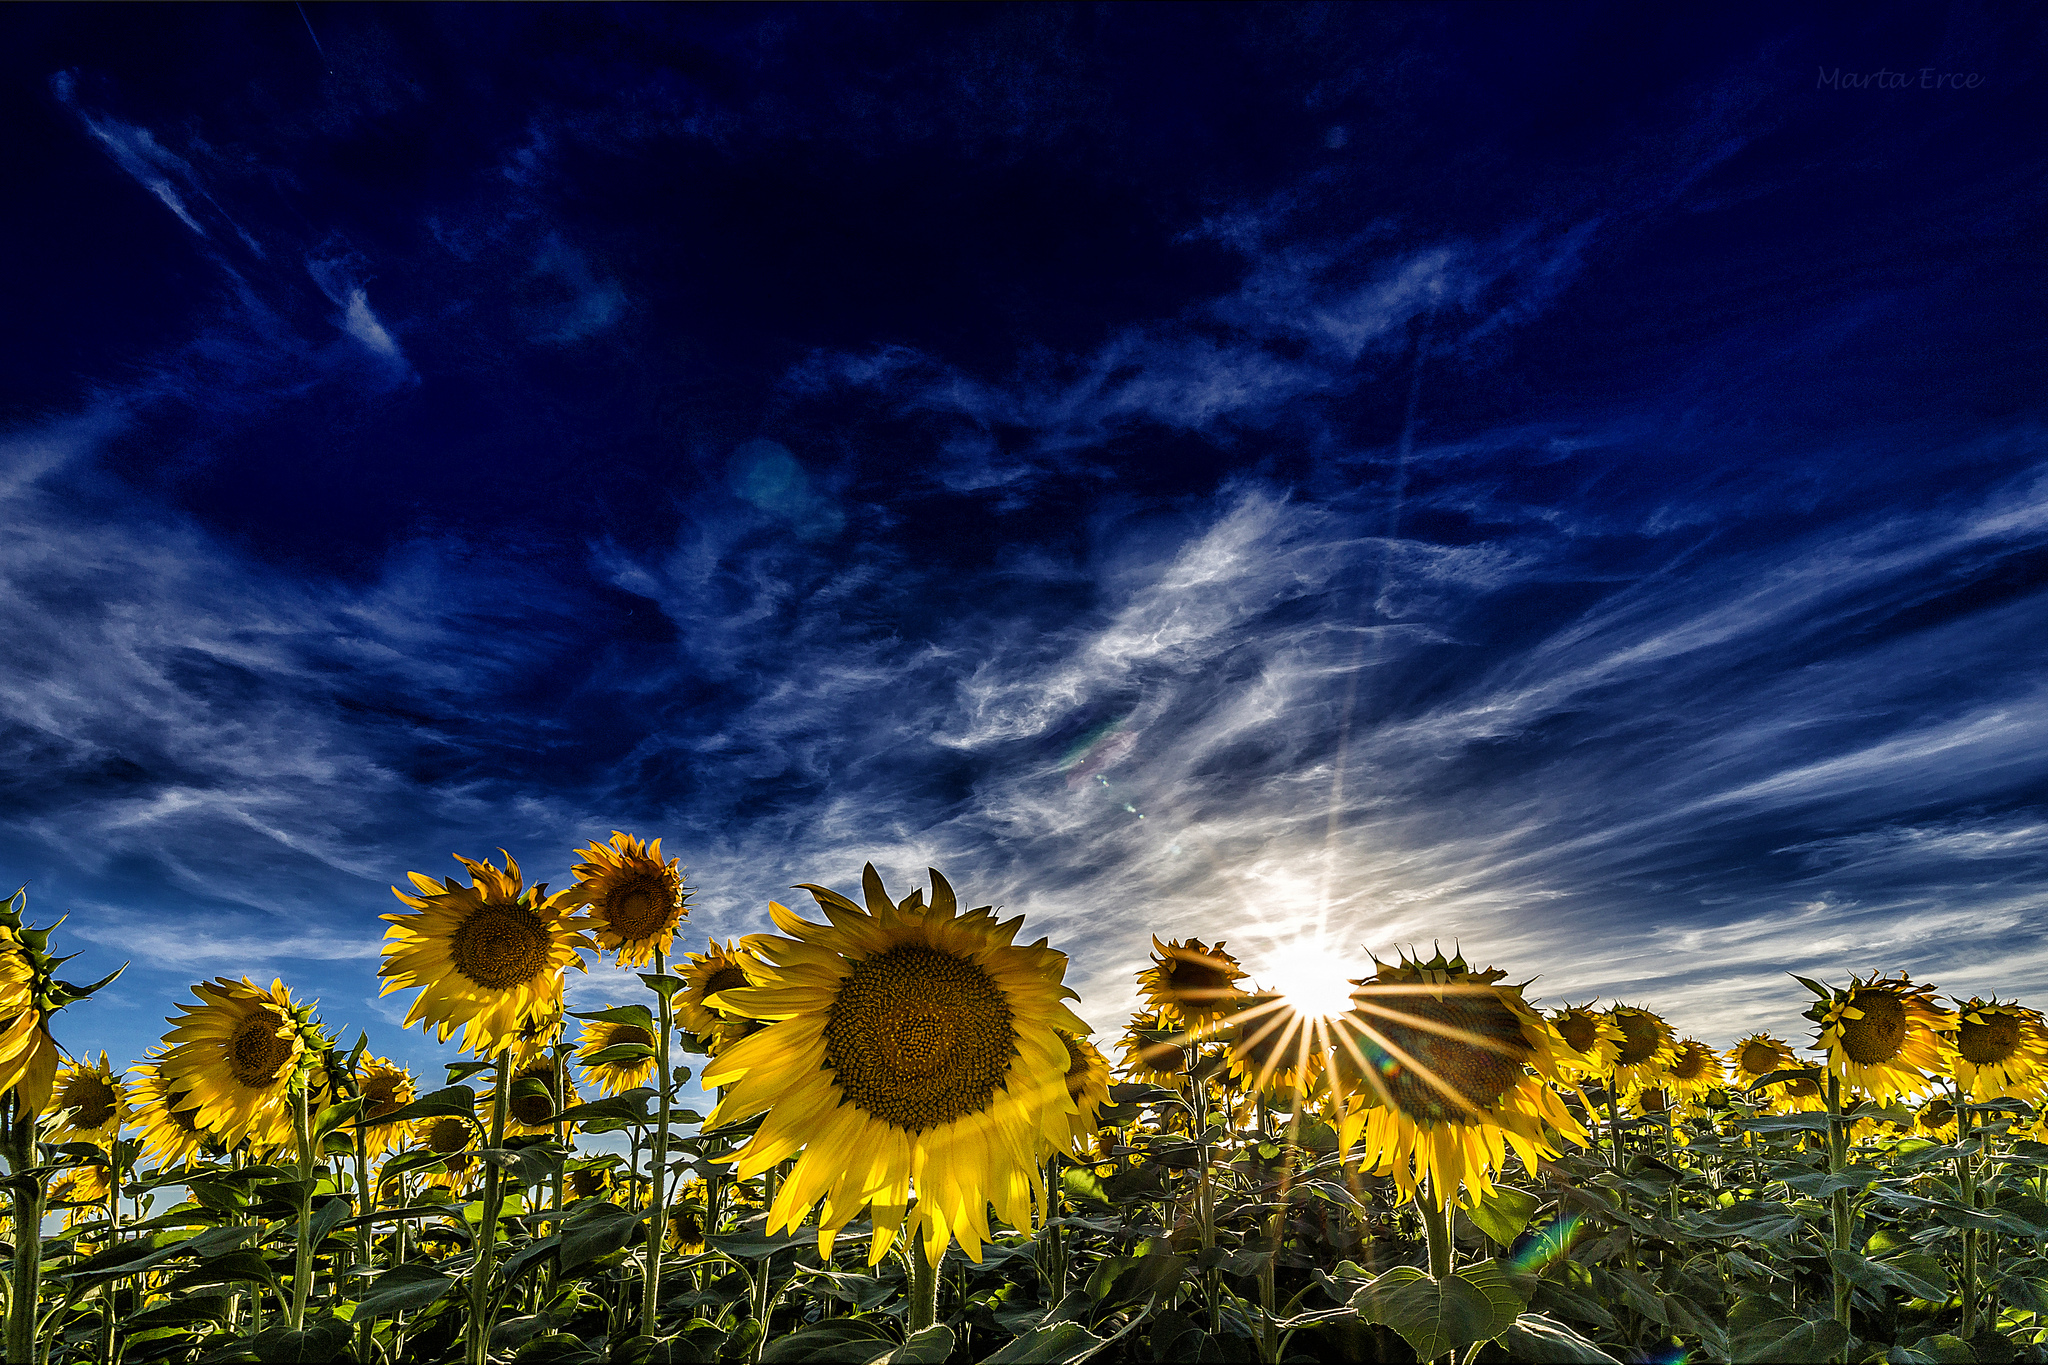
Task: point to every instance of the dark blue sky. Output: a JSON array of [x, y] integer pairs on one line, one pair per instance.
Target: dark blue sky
[[1567, 479]]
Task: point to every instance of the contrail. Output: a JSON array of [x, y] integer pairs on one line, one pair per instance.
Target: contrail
[[315, 37]]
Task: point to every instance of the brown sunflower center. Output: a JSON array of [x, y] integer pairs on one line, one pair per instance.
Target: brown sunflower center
[[534, 1108], [628, 1033], [1939, 1114], [1417, 1045], [918, 1038], [1271, 1041], [1759, 1059], [1653, 1102], [386, 1093], [1802, 1088], [1880, 1033], [1639, 1036], [724, 979], [587, 1182], [1579, 1031], [1991, 1042], [1691, 1063], [1196, 983], [90, 1097], [259, 1048], [447, 1134], [642, 906], [500, 946]]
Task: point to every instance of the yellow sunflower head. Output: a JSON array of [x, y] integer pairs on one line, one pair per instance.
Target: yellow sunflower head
[[1647, 1047], [93, 1102], [488, 957], [532, 1108], [1190, 984], [2001, 1050], [451, 1137], [239, 1054], [1591, 1040], [720, 967], [635, 899], [907, 1045], [1695, 1069], [1759, 1055], [1152, 1052], [1884, 1036], [28, 1054], [82, 1192], [386, 1088], [1087, 1082], [686, 1219], [631, 1028], [1274, 1047], [1651, 1102], [1438, 1069], [1937, 1120], [590, 1182], [168, 1122]]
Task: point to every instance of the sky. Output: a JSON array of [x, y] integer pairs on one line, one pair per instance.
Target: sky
[[1564, 482]]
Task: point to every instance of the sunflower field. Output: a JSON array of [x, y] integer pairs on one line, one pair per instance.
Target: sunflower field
[[917, 1153]]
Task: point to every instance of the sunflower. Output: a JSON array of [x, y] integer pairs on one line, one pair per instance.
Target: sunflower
[[720, 967], [488, 956], [1152, 1053], [1190, 984], [615, 1078], [1087, 1082], [635, 899], [28, 1054], [2001, 1050], [1936, 1120], [1592, 1041], [451, 1137], [1651, 1102], [169, 1124], [686, 1220], [591, 1182], [1273, 1046], [94, 1104], [386, 1088], [906, 1044], [1647, 1048], [532, 1113], [85, 1189], [1694, 1070], [1452, 1069], [238, 1055], [1884, 1036]]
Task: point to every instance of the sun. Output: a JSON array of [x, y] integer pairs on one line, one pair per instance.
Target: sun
[[1312, 977]]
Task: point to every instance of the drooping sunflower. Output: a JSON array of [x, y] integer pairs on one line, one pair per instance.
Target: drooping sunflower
[[1190, 985], [532, 1109], [1592, 1041], [169, 1125], [82, 1193], [488, 957], [720, 967], [28, 1054], [386, 1088], [93, 1101], [592, 1180], [238, 1055], [1884, 1036], [1087, 1082], [1694, 1070], [687, 1218], [616, 1077], [907, 1045], [635, 899], [1936, 1119], [1439, 1069], [1647, 1049], [1152, 1053], [2001, 1050]]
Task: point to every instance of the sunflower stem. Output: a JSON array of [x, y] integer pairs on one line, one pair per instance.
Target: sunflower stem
[[1436, 1230], [366, 1239], [657, 1223], [1839, 1205], [924, 1288], [1055, 1244], [482, 1305], [113, 1239], [1966, 1182], [302, 1263], [28, 1228]]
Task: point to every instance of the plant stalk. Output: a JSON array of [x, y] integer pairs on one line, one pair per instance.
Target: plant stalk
[[302, 1264], [1838, 1205], [1966, 1182], [1436, 1230], [657, 1223], [482, 1306], [924, 1288], [28, 1234]]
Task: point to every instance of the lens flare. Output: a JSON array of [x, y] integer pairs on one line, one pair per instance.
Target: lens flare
[[1313, 977]]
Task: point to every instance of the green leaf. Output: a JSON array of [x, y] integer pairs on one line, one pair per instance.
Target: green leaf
[[527, 1165], [1765, 1330], [327, 1216], [334, 1115], [618, 1054], [1822, 991], [1935, 1350], [662, 985], [455, 1099], [831, 1342], [411, 1161], [595, 1230], [403, 1289], [321, 1341], [1135, 1278], [1058, 1343], [631, 1105], [235, 1266], [932, 1345], [1546, 1341], [1755, 1219], [1785, 1123], [1434, 1316], [1502, 1213], [636, 1015]]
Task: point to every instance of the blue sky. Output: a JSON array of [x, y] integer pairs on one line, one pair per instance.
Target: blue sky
[[1564, 480]]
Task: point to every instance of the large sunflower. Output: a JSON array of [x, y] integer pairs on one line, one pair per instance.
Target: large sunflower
[[1451, 1069], [2001, 1050], [615, 1077], [1591, 1039], [1694, 1070], [488, 956], [720, 967], [908, 1045], [1152, 1053], [237, 1056], [1087, 1082], [28, 1054], [93, 1101], [165, 1117], [1191, 984], [1647, 1048], [386, 1088], [635, 899], [1884, 1036]]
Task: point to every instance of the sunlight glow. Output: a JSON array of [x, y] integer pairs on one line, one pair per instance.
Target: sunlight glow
[[1315, 978]]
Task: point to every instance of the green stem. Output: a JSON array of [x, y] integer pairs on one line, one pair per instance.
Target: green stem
[[28, 1239], [1436, 1230], [1205, 1209], [366, 1233], [107, 1308], [1966, 1180], [302, 1264], [924, 1288], [1055, 1242], [764, 1301], [482, 1305], [657, 1224], [1839, 1205]]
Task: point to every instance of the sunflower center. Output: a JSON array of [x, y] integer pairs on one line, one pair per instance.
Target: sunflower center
[[1579, 1031], [91, 1097], [587, 1182], [1759, 1059], [385, 1092], [1691, 1063], [1638, 1037], [258, 1050], [446, 1135], [531, 1109], [629, 1033], [500, 946], [1879, 1034], [918, 1038], [1653, 1102], [1163, 1059], [725, 979], [1939, 1114], [642, 907], [1802, 1088], [1441, 1077], [1989, 1043]]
